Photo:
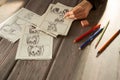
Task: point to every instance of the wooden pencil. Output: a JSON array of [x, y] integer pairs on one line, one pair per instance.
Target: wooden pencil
[[101, 35], [108, 42]]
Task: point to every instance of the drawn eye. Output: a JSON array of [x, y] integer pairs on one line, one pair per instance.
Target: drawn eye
[[38, 51], [65, 10], [33, 52], [55, 10]]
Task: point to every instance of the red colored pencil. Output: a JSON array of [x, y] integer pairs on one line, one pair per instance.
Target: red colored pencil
[[87, 33]]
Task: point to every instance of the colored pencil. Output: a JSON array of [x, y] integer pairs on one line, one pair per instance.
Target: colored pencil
[[90, 38], [87, 33], [108, 42], [102, 33]]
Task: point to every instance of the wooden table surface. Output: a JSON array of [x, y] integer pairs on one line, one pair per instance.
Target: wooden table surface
[[68, 62]]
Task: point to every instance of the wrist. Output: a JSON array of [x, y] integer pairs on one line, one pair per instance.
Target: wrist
[[87, 4]]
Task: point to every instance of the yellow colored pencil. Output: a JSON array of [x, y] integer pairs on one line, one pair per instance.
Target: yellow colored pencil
[[101, 35]]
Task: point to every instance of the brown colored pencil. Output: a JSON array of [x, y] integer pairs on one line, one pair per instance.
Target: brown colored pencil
[[108, 42]]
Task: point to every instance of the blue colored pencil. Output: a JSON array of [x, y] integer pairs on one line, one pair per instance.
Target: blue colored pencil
[[90, 38]]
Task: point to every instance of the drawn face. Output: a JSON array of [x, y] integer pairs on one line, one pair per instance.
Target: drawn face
[[55, 10], [65, 10], [8, 29], [59, 12], [59, 20], [33, 29], [35, 50], [52, 27], [33, 39]]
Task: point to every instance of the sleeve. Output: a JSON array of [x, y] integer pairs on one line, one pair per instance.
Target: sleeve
[[95, 3]]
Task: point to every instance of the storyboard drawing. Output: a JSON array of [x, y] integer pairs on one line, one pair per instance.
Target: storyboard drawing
[[12, 29], [54, 21], [33, 48], [30, 16], [60, 14], [32, 41], [34, 44]]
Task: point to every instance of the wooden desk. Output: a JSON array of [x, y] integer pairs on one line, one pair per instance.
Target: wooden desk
[[68, 63]]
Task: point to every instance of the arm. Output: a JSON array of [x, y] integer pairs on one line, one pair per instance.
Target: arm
[[95, 3]]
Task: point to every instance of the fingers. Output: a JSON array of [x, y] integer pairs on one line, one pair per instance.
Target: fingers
[[81, 11], [76, 11], [80, 15]]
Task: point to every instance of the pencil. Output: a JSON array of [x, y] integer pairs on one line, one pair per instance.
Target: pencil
[[108, 42], [91, 38], [101, 35], [87, 33]]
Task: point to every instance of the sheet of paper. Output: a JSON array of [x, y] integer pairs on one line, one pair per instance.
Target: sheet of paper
[[12, 27], [30, 16], [54, 22], [34, 45]]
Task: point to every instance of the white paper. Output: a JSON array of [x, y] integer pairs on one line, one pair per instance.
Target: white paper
[[34, 45], [30, 16], [11, 29], [54, 22]]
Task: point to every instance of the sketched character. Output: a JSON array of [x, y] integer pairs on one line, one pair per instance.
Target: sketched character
[[55, 10], [32, 29], [60, 18], [35, 50], [52, 26], [33, 39], [64, 11], [8, 29]]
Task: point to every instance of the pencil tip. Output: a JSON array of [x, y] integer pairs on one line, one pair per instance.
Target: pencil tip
[[96, 46], [79, 48], [98, 54]]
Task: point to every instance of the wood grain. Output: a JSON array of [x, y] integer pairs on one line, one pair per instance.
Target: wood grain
[[68, 62], [37, 70], [69, 57]]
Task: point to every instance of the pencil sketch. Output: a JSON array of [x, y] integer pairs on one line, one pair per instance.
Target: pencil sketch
[[32, 29], [33, 39], [60, 13], [54, 22], [34, 45], [7, 29], [54, 10], [52, 26], [12, 28], [35, 50], [29, 16]]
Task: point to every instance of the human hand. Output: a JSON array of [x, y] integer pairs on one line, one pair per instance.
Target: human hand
[[2, 2], [80, 11]]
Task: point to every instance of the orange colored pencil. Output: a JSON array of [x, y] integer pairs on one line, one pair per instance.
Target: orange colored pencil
[[108, 42]]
